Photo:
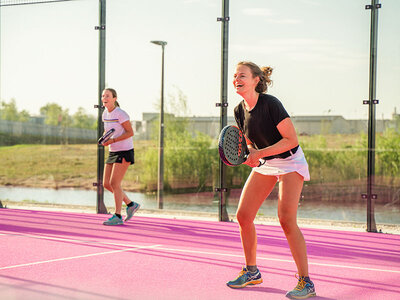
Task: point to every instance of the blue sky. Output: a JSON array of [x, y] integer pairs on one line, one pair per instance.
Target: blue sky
[[319, 50]]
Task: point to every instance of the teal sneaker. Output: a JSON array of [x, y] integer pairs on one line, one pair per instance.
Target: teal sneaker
[[245, 278], [303, 290], [114, 220], [130, 211]]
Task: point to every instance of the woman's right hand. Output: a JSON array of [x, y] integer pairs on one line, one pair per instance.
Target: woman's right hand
[[109, 142]]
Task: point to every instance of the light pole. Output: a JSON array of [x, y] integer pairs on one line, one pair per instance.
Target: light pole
[[160, 185]]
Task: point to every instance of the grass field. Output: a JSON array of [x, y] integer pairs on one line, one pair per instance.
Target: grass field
[[61, 166], [58, 166], [333, 160]]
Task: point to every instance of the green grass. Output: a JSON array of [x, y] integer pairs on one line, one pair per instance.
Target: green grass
[[58, 165], [331, 158]]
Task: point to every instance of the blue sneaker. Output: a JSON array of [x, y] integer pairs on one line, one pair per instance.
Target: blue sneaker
[[245, 278], [130, 211], [303, 290], [114, 220]]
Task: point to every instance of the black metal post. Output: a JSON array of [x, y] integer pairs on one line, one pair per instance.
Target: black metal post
[[223, 214], [100, 207], [371, 225]]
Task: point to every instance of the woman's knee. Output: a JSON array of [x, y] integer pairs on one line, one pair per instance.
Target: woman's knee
[[115, 184], [244, 218], [288, 222], [107, 186]]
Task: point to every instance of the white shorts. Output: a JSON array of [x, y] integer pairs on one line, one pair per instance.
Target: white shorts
[[279, 166]]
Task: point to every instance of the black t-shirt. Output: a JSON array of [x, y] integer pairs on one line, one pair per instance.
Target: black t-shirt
[[259, 124]]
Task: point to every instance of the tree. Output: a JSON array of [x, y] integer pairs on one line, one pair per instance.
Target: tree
[[188, 158], [24, 116], [55, 115], [9, 112], [82, 120], [177, 103]]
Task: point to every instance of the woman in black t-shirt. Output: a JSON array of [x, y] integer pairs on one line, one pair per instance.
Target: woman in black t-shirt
[[271, 136]]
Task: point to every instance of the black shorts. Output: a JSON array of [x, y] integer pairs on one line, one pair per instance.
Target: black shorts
[[116, 157]]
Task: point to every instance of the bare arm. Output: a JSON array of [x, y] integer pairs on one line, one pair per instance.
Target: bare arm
[[127, 134], [288, 141]]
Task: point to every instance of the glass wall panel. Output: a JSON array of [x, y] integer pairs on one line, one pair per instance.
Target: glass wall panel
[[191, 89], [319, 52], [320, 55], [387, 168], [49, 57]]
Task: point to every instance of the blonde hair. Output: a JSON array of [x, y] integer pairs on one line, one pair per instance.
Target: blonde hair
[[114, 94], [264, 73]]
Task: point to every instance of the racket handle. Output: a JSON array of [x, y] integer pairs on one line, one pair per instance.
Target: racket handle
[[261, 162], [247, 153]]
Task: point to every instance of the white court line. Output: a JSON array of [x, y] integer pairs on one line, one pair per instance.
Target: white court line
[[128, 245], [75, 257], [178, 250], [278, 259], [51, 238]]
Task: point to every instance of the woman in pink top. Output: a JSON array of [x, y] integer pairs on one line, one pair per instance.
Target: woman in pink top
[[121, 155]]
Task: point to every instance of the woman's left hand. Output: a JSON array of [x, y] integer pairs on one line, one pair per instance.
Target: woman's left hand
[[252, 158]]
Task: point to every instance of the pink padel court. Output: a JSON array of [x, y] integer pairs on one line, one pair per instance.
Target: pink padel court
[[60, 255]]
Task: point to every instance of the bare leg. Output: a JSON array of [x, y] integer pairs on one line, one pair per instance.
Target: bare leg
[[107, 185], [255, 191], [118, 173], [126, 199], [106, 177], [290, 187]]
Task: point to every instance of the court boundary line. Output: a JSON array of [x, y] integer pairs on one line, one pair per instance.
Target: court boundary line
[[51, 238], [280, 260], [127, 245], [160, 247], [76, 257]]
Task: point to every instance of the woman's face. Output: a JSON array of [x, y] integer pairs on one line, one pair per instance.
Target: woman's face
[[243, 80], [108, 100]]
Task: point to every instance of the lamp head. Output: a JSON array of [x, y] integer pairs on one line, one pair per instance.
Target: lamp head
[[160, 43]]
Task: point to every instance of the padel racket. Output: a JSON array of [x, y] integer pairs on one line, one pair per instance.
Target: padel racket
[[106, 136], [232, 146]]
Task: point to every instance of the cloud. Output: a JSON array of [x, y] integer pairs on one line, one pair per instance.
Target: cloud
[[272, 17], [208, 3], [311, 2], [264, 12], [291, 45], [327, 53], [284, 21]]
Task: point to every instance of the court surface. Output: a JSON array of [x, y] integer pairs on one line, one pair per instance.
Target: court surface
[[63, 255]]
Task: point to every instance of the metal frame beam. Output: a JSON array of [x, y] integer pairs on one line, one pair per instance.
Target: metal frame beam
[[371, 225], [223, 214]]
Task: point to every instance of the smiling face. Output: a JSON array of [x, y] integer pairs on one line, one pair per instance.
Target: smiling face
[[243, 80], [108, 100]]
